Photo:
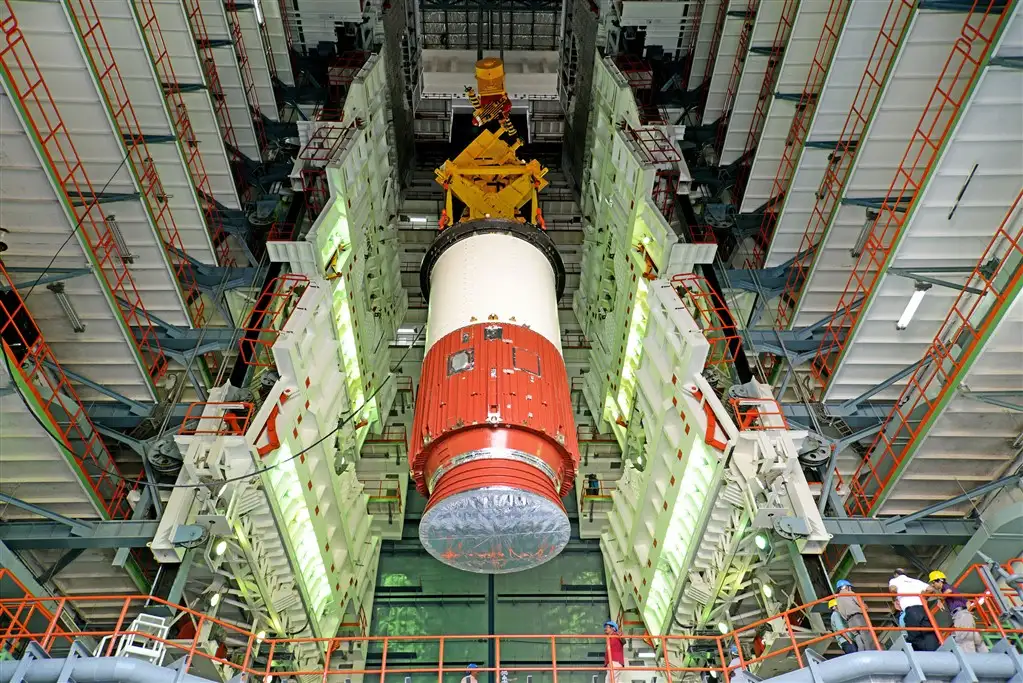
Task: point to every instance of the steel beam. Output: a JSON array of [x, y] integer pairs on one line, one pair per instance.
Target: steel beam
[[49, 535], [74, 525], [44, 277], [875, 531], [897, 523]]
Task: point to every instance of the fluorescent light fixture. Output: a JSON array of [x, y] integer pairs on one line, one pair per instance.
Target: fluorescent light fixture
[[761, 541], [914, 303], [722, 627], [115, 232], [214, 599], [65, 305], [220, 548], [766, 589], [261, 636], [418, 219], [259, 11], [861, 241], [647, 655]]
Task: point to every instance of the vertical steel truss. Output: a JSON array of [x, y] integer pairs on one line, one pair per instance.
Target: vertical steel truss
[[741, 54], [944, 365], [840, 162], [59, 153], [89, 26], [183, 127], [965, 62], [243, 65], [28, 354], [209, 68], [805, 109], [756, 126]]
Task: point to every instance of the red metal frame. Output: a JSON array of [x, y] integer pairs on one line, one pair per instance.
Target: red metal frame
[[756, 126], [655, 145], [741, 53], [342, 73], [248, 83], [964, 64], [325, 141], [28, 353], [256, 342], [209, 67], [711, 314], [87, 22], [30, 619], [944, 366], [879, 64], [758, 414], [233, 419], [59, 153], [607, 487]]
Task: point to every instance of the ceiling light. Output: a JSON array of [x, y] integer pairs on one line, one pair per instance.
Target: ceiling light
[[418, 219], [220, 548], [722, 627], [761, 541], [766, 589], [914, 303], [647, 654], [65, 305], [214, 599], [261, 636]]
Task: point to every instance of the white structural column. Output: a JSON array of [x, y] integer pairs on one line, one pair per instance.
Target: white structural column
[[852, 58], [278, 34], [229, 72], [706, 40], [128, 37], [928, 41], [724, 60], [258, 64], [186, 62], [805, 41], [754, 70]]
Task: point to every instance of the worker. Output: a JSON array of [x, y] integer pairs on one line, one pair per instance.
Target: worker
[[919, 632], [736, 662], [470, 674], [614, 653], [851, 611], [838, 625], [962, 617]]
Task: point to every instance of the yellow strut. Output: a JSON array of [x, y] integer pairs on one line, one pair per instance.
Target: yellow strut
[[488, 176]]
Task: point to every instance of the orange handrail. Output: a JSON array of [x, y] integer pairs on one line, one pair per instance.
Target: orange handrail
[[741, 54], [28, 620]]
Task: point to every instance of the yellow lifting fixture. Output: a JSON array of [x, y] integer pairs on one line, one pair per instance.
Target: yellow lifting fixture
[[488, 176]]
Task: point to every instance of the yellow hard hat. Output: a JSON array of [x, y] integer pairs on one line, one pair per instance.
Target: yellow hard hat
[[832, 604], [935, 575]]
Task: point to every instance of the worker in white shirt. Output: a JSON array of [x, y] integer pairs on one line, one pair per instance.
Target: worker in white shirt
[[909, 592], [470, 674]]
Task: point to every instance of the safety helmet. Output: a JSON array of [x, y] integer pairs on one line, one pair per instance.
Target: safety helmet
[[843, 583], [734, 650], [471, 667], [936, 574], [832, 604], [611, 624]]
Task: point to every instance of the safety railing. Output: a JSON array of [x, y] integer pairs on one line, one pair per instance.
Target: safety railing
[[964, 63], [764, 97], [248, 83], [574, 340], [94, 38], [586, 434], [944, 366], [228, 418], [557, 656], [800, 128], [758, 414], [840, 161], [741, 53], [597, 490], [60, 154], [28, 355], [396, 433], [197, 22], [711, 315], [383, 491], [183, 127], [271, 314]]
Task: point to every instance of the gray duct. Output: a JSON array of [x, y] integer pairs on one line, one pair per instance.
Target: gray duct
[[96, 670], [861, 666]]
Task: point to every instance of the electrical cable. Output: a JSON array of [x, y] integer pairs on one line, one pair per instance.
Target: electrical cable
[[219, 482]]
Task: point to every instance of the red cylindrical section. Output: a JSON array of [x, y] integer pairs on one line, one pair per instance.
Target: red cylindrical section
[[494, 447]]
